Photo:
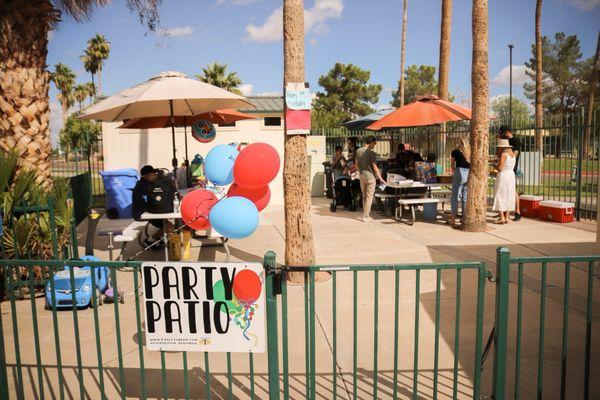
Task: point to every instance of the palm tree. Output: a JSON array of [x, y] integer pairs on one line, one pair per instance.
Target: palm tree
[[475, 219], [539, 111], [91, 91], [64, 79], [80, 93], [403, 54], [98, 50], [299, 246], [444, 66], [24, 27], [91, 65], [216, 75]]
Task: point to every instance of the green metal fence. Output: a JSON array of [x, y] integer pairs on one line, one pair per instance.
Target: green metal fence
[[554, 275], [358, 335]]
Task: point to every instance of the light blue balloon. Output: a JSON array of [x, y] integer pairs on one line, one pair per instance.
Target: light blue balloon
[[218, 164], [234, 217]]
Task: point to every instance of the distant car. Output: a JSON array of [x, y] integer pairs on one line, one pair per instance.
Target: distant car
[[83, 285]]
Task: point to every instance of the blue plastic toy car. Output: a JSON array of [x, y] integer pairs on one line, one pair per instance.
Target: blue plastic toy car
[[83, 286]]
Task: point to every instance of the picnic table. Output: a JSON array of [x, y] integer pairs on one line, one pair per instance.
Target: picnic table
[[406, 195]]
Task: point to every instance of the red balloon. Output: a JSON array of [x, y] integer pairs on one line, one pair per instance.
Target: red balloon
[[246, 287], [195, 208], [260, 196], [256, 166]]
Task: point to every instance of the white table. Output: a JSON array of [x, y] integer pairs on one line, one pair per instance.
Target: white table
[[147, 216], [176, 215]]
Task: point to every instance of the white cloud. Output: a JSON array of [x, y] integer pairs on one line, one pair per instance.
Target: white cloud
[[585, 5], [269, 94], [519, 77], [246, 89], [178, 31], [315, 21]]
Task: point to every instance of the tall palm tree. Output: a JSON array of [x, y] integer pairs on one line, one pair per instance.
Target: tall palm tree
[[444, 66], [475, 219], [403, 53], [91, 65], [539, 111], [91, 91], [98, 50], [299, 246], [216, 74], [24, 109], [64, 79], [80, 93]]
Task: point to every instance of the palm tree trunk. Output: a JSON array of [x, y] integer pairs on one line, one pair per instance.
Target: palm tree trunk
[[100, 79], [475, 219], [403, 53], [539, 112], [299, 246], [444, 66], [93, 94], [590, 104], [24, 83]]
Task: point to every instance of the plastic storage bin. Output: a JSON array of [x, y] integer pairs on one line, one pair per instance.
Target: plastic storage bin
[[530, 205], [119, 185], [556, 211]]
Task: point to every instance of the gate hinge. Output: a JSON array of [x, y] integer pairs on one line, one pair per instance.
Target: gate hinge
[[490, 276]]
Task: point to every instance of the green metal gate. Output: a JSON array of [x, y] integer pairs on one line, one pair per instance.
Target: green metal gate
[[370, 331]]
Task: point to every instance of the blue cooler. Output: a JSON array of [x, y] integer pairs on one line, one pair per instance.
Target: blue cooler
[[119, 185]]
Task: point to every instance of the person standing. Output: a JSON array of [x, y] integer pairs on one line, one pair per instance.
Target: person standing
[[351, 144], [366, 161], [460, 165], [338, 163], [505, 186], [506, 133]]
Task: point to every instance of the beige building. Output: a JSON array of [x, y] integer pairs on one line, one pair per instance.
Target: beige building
[[134, 148]]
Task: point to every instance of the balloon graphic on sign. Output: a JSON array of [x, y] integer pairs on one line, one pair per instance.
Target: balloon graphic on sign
[[219, 295], [203, 131], [247, 288]]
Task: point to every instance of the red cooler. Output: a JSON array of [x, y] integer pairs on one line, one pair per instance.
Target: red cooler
[[556, 211], [530, 205]]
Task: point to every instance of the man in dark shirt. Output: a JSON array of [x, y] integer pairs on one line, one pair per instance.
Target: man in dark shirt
[[506, 133], [142, 199]]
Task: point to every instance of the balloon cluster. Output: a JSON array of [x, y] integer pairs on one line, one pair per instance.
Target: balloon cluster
[[249, 173]]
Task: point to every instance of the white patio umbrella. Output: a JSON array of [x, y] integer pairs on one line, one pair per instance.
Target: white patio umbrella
[[169, 93]]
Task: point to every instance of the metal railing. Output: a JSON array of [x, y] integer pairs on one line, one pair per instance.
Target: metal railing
[[358, 335], [563, 294]]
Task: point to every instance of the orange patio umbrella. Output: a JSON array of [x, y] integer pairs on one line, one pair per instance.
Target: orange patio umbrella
[[226, 116], [425, 110]]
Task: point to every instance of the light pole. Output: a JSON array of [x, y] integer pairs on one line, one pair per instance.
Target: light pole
[[510, 49]]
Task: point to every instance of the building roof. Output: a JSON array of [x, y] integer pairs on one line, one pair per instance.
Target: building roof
[[264, 105]]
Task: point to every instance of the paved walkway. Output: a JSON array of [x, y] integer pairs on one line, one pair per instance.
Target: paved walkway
[[340, 238]]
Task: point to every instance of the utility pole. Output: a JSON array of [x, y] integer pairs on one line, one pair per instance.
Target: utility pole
[[510, 49]]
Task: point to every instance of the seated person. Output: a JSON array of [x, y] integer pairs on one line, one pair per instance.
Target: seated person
[[338, 163], [155, 194]]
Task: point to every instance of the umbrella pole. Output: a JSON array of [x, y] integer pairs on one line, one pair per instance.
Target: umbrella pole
[[174, 161], [187, 162]]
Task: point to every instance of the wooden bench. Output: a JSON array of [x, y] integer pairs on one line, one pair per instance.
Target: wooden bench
[[412, 204]]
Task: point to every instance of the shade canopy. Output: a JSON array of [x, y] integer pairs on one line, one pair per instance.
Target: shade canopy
[[153, 98], [226, 116], [426, 110], [365, 121]]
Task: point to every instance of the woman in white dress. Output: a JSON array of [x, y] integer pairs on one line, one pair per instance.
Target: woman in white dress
[[505, 187]]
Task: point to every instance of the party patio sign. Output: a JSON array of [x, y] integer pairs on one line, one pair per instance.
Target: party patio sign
[[215, 307]]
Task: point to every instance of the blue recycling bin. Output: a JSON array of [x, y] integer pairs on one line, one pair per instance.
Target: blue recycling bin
[[119, 185]]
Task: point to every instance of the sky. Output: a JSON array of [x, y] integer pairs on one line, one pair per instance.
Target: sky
[[247, 36]]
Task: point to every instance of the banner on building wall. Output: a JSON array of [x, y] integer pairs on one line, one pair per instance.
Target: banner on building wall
[[214, 307]]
